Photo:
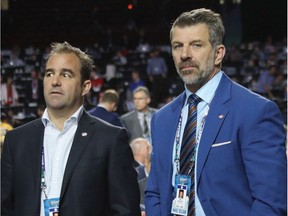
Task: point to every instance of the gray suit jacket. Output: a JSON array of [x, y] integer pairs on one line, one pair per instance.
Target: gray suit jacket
[[99, 178], [132, 124]]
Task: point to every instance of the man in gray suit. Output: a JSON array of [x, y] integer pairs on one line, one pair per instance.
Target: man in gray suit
[[137, 122]]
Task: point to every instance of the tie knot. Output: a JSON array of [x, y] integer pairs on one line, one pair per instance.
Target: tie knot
[[194, 99]]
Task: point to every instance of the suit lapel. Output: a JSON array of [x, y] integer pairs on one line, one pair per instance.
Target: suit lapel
[[169, 129], [215, 118], [36, 154], [136, 123], [80, 141]]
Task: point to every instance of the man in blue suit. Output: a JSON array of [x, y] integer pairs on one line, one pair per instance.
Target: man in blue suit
[[107, 107], [240, 164]]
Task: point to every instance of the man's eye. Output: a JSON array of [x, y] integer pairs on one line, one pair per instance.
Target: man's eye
[[177, 46], [197, 45], [48, 74], [66, 75]]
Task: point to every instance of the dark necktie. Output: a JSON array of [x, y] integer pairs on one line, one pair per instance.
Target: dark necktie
[[188, 148], [145, 124]]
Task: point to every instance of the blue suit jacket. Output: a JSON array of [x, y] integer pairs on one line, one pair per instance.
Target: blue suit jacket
[[102, 113], [247, 176]]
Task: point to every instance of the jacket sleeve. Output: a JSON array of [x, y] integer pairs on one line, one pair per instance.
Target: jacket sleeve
[[7, 198], [152, 195], [265, 162]]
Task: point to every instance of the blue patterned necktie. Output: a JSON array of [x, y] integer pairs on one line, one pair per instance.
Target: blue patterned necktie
[[188, 148]]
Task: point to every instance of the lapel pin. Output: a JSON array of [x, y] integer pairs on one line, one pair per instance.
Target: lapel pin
[[221, 116], [84, 134]]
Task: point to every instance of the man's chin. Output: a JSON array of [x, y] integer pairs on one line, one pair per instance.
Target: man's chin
[[190, 80], [55, 106], [187, 72]]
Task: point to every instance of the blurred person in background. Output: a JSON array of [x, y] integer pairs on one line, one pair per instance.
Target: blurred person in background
[[34, 89], [4, 127], [157, 73], [107, 107], [136, 81], [266, 80], [9, 94], [97, 83], [137, 121], [141, 149]]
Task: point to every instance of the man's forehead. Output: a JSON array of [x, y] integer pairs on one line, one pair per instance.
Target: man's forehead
[[189, 35]]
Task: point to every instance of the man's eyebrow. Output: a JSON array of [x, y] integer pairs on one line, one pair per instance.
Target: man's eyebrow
[[66, 69], [176, 42], [49, 70], [62, 70], [193, 41]]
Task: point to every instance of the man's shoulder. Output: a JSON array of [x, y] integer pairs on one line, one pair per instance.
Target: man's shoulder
[[90, 111], [31, 126], [129, 115], [96, 122], [152, 109], [243, 93], [111, 116], [96, 110]]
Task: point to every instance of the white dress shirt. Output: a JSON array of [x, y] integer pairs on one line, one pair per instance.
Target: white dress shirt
[[57, 145]]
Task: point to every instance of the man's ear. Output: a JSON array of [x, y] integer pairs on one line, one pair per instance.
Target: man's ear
[[86, 87], [148, 100], [219, 54]]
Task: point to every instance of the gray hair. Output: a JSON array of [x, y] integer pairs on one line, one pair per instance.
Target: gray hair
[[142, 89], [138, 143], [202, 16]]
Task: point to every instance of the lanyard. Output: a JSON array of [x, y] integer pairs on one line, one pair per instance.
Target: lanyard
[[177, 140], [43, 183]]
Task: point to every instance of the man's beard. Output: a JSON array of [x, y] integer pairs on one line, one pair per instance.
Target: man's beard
[[196, 76]]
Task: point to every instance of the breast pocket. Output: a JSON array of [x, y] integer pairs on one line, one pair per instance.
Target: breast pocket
[[91, 162], [222, 156], [221, 143], [90, 172]]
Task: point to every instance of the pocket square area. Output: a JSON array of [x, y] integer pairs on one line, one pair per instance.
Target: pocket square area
[[222, 143]]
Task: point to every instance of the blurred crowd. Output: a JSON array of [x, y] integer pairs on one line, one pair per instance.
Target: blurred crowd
[[260, 66]]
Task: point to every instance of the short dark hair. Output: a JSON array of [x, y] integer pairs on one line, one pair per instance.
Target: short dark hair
[[86, 62], [110, 95]]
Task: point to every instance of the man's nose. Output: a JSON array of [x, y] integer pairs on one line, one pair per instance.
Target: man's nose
[[186, 53], [56, 80]]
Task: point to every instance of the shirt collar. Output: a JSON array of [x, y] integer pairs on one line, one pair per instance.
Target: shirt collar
[[99, 105], [206, 92], [74, 118], [141, 114]]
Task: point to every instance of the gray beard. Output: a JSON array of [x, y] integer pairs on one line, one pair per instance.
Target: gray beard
[[197, 77]]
